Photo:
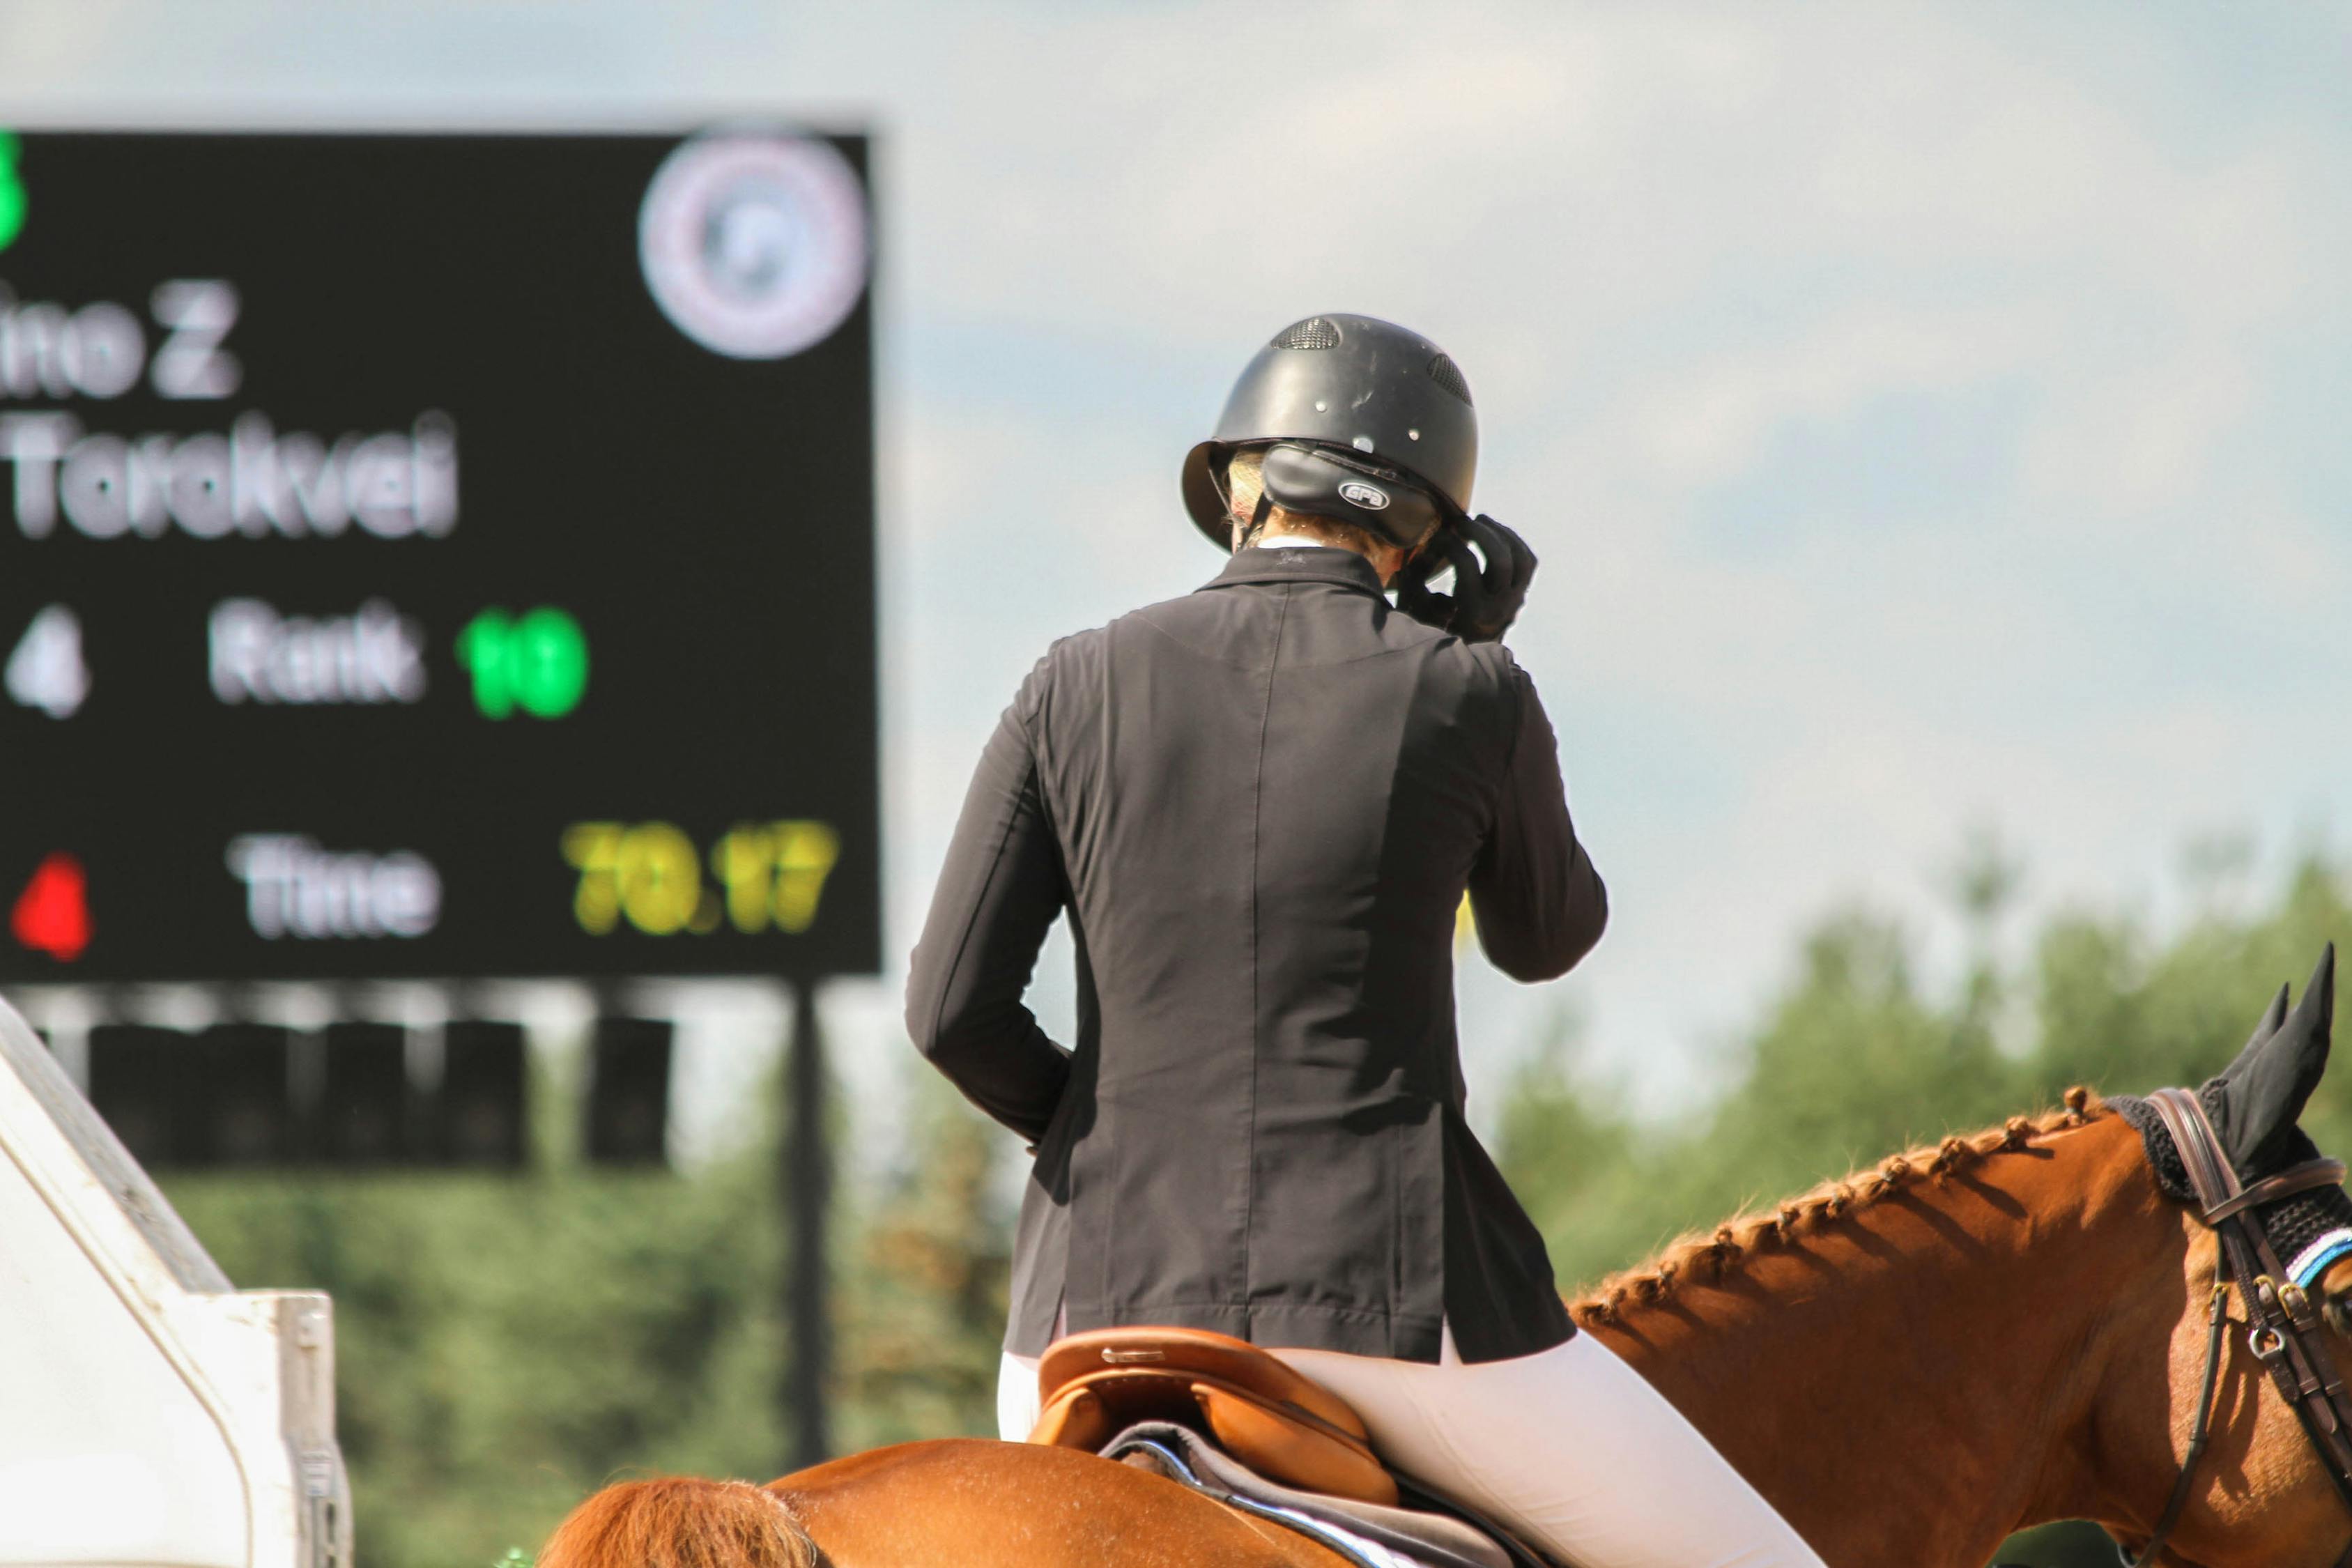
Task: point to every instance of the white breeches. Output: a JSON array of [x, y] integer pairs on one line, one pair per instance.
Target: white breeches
[[1568, 1446]]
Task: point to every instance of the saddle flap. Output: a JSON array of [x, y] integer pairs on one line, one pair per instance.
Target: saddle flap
[[1076, 1420], [1270, 1418], [1278, 1445]]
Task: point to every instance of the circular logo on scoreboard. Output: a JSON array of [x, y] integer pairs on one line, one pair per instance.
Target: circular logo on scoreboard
[[754, 244]]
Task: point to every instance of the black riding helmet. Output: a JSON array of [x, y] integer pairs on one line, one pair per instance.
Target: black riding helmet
[[1364, 422]]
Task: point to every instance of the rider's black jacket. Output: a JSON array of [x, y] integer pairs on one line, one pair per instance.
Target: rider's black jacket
[[1260, 806]]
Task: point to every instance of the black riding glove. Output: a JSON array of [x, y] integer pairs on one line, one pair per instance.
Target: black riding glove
[[1484, 603]]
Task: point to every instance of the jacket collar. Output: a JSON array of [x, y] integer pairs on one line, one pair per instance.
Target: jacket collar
[[1298, 563]]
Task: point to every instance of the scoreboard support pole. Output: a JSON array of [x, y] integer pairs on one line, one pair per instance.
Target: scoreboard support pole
[[807, 1176]]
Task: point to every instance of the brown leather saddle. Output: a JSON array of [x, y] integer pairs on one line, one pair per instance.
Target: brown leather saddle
[[1225, 1418], [1278, 1423]]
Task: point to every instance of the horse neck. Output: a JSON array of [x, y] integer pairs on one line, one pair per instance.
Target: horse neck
[[1971, 1353]]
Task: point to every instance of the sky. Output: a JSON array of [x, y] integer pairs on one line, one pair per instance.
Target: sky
[[1930, 414]]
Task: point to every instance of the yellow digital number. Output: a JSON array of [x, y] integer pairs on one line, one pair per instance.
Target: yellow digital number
[[745, 866], [661, 879], [771, 875], [805, 852], [594, 850]]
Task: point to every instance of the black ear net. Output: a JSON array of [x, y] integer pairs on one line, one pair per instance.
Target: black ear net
[[1323, 482]]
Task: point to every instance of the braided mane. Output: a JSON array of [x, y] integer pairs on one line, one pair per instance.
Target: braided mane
[[1709, 1257]]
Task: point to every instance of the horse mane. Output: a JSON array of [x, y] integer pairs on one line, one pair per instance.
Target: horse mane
[[681, 1521], [1712, 1256]]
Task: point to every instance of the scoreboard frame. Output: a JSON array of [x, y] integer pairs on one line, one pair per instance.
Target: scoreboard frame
[[437, 555]]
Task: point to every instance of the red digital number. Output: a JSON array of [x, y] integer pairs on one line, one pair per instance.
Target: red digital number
[[52, 914]]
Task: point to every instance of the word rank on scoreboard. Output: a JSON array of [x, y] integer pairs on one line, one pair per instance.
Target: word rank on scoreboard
[[466, 571]]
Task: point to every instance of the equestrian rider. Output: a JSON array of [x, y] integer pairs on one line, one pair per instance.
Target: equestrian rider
[[1260, 806]]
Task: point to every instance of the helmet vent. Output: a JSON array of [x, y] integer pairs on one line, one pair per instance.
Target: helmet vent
[[1447, 374], [1314, 333]]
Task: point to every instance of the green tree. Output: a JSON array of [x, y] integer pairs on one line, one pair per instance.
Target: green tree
[[1855, 1058], [927, 1281], [1573, 1155], [506, 1344]]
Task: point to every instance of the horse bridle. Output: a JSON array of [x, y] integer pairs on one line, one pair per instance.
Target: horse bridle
[[2283, 1325]]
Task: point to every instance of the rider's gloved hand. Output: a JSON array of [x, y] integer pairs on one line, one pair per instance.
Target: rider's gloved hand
[[1484, 603]]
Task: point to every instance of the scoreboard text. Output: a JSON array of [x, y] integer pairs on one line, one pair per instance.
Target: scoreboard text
[[434, 556]]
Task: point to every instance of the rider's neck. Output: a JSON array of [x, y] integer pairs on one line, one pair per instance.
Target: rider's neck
[[1386, 560]]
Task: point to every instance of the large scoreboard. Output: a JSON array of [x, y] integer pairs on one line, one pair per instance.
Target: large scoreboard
[[436, 555]]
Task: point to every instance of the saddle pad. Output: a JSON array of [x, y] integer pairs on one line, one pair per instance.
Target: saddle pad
[[1418, 1537]]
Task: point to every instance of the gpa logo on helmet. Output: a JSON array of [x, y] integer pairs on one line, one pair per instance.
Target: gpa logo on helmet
[[753, 242], [1370, 497]]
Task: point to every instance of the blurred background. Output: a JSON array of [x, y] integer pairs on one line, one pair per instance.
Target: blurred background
[[1929, 417]]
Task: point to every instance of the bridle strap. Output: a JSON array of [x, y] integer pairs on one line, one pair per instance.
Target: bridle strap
[[2285, 1185], [2210, 1174], [2283, 1325], [2217, 1319]]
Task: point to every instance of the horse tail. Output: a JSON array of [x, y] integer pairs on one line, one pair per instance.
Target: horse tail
[[681, 1521]]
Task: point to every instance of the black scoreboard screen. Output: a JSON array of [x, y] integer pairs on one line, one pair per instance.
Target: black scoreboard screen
[[435, 556]]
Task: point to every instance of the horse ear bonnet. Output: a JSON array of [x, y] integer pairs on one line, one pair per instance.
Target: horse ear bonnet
[[2273, 1016], [2264, 1091], [2254, 1104]]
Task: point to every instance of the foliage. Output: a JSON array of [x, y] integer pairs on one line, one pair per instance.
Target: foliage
[[506, 1344], [927, 1288], [503, 1344], [1857, 1058], [509, 1343]]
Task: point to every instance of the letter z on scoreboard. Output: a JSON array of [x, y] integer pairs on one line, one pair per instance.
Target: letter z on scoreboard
[[438, 556]]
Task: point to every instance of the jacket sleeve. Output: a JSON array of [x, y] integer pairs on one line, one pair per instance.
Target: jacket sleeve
[[997, 896], [1537, 900]]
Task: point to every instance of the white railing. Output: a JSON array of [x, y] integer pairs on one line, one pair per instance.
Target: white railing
[[150, 1412]]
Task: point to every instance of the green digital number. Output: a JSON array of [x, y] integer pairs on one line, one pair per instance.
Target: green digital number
[[538, 662], [11, 191]]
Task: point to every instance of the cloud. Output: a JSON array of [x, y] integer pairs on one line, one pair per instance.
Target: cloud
[[1923, 410]]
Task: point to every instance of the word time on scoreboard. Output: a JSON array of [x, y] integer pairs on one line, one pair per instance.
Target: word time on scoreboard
[[436, 555]]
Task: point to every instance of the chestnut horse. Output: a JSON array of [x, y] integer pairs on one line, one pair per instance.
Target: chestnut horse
[[1910, 1364]]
